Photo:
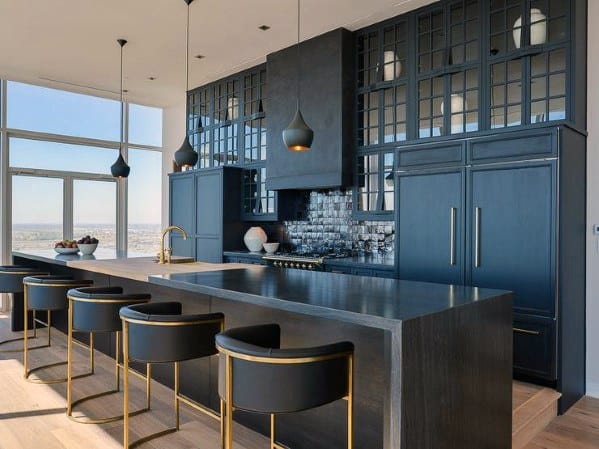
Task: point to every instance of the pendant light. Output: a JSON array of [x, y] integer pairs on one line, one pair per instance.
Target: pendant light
[[298, 136], [185, 157], [120, 169]]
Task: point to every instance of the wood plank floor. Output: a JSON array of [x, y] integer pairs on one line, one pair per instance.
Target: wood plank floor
[[33, 416]]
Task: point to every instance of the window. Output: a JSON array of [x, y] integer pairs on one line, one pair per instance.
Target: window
[[145, 125], [145, 199], [37, 216], [41, 109], [94, 211], [41, 154]]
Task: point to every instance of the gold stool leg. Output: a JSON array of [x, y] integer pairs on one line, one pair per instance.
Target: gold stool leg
[[126, 385], [177, 418], [25, 330], [350, 403], [229, 402], [272, 431]]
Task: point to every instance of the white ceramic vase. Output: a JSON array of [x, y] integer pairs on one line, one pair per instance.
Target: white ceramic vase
[[538, 28], [255, 238], [391, 70]]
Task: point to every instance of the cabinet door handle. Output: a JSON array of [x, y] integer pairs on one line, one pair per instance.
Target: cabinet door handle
[[477, 237], [526, 331], [452, 230]]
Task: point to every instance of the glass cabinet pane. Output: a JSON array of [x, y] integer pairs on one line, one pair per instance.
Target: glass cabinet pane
[[548, 21], [395, 52], [368, 182], [395, 114], [199, 109], [368, 59], [254, 140], [430, 107], [464, 31], [389, 182], [431, 41], [505, 24], [464, 102], [254, 92], [200, 142], [250, 191], [368, 119], [226, 101], [548, 86], [506, 94]]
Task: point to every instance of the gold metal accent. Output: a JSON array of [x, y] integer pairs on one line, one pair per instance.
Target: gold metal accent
[[178, 396], [477, 237], [170, 323], [71, 285], [452, 239], [282, 360], [72, 404], [300, 259], [162, 255], [526, 331]]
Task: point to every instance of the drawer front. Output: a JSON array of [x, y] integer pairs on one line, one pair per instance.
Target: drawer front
[[338, 269], [513, 146], [431, 156], [535, 347]]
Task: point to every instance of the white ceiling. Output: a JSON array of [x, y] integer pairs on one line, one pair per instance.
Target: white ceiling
[[72, 43]]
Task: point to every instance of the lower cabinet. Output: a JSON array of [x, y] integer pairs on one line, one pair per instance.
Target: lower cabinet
[[535, 347], [359, 271]]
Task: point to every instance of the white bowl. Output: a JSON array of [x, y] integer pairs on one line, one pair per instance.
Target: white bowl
[[87, 249], [66, 250], [271, 248]]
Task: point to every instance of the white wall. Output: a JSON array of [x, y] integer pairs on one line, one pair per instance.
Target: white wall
[[173, 131], [593, 205]]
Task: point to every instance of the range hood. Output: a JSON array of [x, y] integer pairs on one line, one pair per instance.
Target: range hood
[[326, 75]]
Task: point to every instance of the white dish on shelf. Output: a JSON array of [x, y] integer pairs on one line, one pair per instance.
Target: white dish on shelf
[[87, 248], [271, 248], [66, 250]]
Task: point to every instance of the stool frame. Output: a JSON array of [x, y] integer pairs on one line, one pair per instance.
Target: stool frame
[[228, 407], [178, 397], [48, 324], [118, 366]]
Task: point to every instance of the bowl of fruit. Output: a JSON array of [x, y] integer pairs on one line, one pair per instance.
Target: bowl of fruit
[[66, 247], [87, 245]]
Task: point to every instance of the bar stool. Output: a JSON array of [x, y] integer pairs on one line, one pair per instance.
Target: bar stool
[[160, 333], [47, 293], [255, 375], [11, 282], [94, 310]]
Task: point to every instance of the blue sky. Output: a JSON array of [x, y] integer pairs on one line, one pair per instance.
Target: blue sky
[[54, 111]]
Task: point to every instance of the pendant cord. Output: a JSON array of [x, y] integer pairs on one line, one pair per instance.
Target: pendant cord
[[187, 56], [298, 54], [122, 107]]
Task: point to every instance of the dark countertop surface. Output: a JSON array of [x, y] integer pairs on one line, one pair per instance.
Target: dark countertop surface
[[374, 302], [364, 261]]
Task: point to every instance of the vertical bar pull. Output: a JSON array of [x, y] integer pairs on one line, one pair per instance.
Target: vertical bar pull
[[452, 239], [477, 237]]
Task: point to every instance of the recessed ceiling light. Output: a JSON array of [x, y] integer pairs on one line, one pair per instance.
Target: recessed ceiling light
[[264, 27], [200, 56], [151, 78], [125, 91]]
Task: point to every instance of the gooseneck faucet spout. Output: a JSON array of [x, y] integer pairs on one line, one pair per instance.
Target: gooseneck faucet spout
[[163, 256]]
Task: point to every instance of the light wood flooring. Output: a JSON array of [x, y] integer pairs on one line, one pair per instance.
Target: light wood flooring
[[33, 416]]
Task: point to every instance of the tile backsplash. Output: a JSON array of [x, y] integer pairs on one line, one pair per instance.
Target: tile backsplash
[[328, 222]]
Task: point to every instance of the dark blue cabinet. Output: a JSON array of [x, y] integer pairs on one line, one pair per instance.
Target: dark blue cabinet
[[206, 204], [512, 239], [520, 211], [431, 226]]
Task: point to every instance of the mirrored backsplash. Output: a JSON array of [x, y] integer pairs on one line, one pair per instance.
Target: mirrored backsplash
[[328, 223]]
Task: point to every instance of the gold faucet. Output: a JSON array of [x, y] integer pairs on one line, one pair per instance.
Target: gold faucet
[[164, 256]]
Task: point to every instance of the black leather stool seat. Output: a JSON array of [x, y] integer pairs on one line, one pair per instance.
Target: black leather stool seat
[[11, 277], [49, 292], [96, 309], [267, 379], [159, 332]]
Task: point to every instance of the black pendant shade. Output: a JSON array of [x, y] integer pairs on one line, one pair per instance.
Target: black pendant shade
[[120, 169], [298, 136], [185, 156]]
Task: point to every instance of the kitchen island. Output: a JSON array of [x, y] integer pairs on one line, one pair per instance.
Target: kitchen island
[[433, 362]]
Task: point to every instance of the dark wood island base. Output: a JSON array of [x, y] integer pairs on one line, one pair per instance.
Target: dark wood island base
[[433, 362]]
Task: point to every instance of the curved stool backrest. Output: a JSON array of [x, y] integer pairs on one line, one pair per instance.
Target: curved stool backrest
[[96, 309], [49, 292], [267, 379], [159, 332], [11, 277]]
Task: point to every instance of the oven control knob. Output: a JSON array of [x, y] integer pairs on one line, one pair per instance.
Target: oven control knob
[[310, 267], [277, 264], [286, 265], [304, 266]]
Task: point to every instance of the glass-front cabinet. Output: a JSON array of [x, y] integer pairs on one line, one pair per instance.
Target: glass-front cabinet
[[227, 126], [374, 197]]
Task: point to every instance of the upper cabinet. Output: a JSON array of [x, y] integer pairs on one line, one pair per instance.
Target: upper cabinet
[[325, 75]]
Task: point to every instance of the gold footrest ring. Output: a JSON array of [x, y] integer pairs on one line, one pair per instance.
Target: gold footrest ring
[[105, 420], [152, 437], [51, 381]]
